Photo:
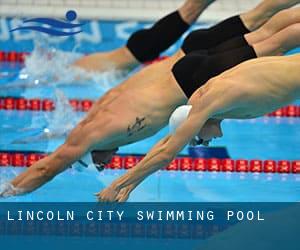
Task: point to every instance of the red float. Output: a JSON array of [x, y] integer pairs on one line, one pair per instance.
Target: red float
[[256, 166], [186, 164], [9, 103], [21, 57], [35, 104], [228, 165], [2, 56], [296, 167], [214, 165], [116, 163], [130, 162], [279, 112], [292, 111], [12, 56], [270, 166], [200, 164], [173, 166], [21, 104], [75, 104], [5, 159], [86, 105], [31, 159], [284, 167], [18, 160], [48, 105], [241, 166]]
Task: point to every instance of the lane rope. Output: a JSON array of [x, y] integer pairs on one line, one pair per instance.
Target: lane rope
[[84, 105], [19, 57], [26, 159], [11, 103]]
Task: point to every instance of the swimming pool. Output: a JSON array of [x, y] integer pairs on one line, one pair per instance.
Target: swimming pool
[[266, 138]]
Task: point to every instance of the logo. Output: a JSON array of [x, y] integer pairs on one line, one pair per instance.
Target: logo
[[57, 27]]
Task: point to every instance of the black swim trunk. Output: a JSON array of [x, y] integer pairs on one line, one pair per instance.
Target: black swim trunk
[[206, 39], [195, 69]]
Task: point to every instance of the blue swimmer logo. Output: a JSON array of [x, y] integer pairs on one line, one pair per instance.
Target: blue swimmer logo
[[56, 26]]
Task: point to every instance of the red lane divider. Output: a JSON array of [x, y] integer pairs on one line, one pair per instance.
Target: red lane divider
[[13, 56], [17, 159], [12, 103], [85, 105], [19, 57]]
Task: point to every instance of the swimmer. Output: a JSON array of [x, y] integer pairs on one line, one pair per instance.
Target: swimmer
[[147, 44], [276, 83], [278, 22], [138, 108]]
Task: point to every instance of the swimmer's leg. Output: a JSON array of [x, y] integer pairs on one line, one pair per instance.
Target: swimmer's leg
[[280, 21], [256, 17], [151, 41], [229, 34], [279, 43]]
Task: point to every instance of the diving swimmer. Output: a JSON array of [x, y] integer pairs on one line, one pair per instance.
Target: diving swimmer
[[136, 109], [276, 83]]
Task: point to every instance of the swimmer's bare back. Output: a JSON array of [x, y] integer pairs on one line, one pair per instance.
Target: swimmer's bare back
[[138, 107], [255, 87]]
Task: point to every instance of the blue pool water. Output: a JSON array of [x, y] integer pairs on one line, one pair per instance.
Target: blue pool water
[[263, 138]]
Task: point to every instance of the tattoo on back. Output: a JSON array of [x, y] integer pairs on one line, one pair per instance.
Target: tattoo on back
[[137, 126]]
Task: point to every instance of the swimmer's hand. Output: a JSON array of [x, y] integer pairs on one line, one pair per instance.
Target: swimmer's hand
[[124, 194], [109, 194], [7, 190]]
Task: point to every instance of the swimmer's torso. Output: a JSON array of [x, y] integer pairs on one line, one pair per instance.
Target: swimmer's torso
[[143, 103], [154, 90], [260, 86]]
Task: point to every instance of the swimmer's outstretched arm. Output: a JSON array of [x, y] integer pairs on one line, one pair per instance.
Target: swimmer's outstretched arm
[[164, 152], [43, 171], [81, 139]]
